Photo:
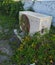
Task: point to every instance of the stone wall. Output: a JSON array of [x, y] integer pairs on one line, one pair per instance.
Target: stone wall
[[45, 7]]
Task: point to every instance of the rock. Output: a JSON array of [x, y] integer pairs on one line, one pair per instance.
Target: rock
[[43, 7], [2, 58], [12, 39], [27, 5], [5, 47], [16, 40]]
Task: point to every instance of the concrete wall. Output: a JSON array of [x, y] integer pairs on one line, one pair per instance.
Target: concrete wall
[[45, 7]]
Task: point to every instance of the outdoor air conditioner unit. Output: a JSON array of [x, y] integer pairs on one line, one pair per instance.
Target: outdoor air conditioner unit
[[32, 22]]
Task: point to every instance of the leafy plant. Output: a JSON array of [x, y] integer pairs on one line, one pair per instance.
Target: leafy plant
[[11, 8], [36, 49]]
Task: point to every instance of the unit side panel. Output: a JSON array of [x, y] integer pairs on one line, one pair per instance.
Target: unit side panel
[[34, 24]]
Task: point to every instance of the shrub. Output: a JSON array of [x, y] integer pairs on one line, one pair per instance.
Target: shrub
[[11, 8], [38, 49]]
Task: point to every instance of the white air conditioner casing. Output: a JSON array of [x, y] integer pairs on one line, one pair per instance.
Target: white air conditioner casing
[[36, 22]]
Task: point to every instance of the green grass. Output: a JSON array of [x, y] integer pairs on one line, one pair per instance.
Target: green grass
[[7, 21]]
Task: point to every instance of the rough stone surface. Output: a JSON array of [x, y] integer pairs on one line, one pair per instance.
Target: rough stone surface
[[6, 50], [5, 47], [45, 7], [2, 58]]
